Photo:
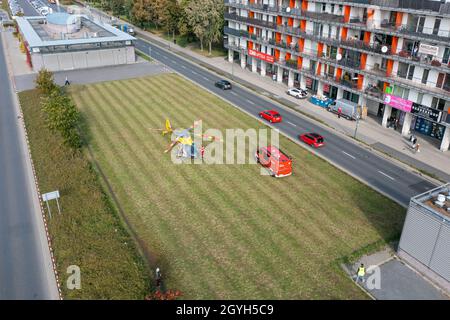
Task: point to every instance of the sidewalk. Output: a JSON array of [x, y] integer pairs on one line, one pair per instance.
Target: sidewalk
[[429, 160], [396, 280]]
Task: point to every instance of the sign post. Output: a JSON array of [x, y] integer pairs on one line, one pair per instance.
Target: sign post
[[54, 195]]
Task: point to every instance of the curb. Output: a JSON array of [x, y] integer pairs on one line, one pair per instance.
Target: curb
[[28, 151]]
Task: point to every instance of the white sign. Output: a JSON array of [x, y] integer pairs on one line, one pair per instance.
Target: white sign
[[428, 49], [50, 195]]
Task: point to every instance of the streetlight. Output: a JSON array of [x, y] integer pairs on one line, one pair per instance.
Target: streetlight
[[357, 124]]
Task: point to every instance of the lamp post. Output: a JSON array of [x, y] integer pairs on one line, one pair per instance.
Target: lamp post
[[357, 124]]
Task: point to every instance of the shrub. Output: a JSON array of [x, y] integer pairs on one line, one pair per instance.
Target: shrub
[[45, 83]]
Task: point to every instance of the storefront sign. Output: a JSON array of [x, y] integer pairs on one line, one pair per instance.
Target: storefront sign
[[398, 103], [427, 113], [427, 49], [326, 88], [261, 56]]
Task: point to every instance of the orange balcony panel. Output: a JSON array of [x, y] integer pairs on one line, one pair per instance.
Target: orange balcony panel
[[344, 33], [303, 25], [290, 22], [363, 60], [394, 45], [319, 49], [338, 74], [304, 5], [398, 19], [385, 85], [299, 62], [319, 68], [279, 20], [366, 37], [288, 56], [251, 14], [251, 29], [250, 45], [389, 66], [288, 40], [301, 44], [360, 81], [347, 14], [277, 54], [277, 37], [370, 14], [291, 3]]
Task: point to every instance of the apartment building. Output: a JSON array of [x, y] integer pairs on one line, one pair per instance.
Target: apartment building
[[391, 57]]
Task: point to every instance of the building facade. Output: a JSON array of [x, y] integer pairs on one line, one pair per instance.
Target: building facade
[[62, 41], [391, 57]]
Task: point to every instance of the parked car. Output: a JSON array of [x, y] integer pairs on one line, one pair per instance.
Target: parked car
[[223, 84], [298, 93], [312, 139], [271, 115], [131, 32], [273, 159]]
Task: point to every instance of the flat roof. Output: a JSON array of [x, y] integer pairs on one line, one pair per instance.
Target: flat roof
[[426, 200], [35, 40]]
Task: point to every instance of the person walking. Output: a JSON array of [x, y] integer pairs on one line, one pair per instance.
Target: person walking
[[158, 277], [67, 83], [202, 151], [361, 273], [339, 112], [417, 147]]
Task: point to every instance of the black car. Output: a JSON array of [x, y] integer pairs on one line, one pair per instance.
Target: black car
[[223, 84]]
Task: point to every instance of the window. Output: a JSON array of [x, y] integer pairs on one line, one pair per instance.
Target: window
[[401, 92], [411, 72], [437, 24], [332, 7], [445, 58], [438, 103], [324, 7], [420, 24], [419, 98], [425, 76]]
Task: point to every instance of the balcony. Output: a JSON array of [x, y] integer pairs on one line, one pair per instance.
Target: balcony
[[374, 91], [261, 23], [235, 32]]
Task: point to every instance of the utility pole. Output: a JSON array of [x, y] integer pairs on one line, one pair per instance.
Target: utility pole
[[356, 127]]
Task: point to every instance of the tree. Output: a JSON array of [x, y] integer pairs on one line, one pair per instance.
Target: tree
[[44, 82], [216, 22], [62, 116], [169, 14]]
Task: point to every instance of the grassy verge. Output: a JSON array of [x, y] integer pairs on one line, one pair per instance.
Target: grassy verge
[[225, 231], [89, 232], [143, 55]]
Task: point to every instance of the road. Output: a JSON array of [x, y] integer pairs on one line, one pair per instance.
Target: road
[[378, 172], [25, 266]]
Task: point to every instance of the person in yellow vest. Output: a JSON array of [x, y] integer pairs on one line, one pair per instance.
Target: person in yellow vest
[[361, 273]]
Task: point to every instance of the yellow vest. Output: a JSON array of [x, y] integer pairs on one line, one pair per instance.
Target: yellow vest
[[361, 271]]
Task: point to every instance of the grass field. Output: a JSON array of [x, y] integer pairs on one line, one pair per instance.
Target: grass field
[[225, 231], [88, 233]]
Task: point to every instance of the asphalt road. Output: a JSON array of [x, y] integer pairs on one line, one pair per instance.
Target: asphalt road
[[376, 171], [25, 265]]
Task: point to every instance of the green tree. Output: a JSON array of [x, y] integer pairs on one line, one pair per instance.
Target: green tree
[[63, 117], [45, 82], [169, 14]]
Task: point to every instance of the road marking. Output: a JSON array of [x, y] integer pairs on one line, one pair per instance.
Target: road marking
[[292, 124], [233, 93], [183, 67], [348, 154], [205, 78], [384, 174], [194, 72], [173, 61], [250, 101]]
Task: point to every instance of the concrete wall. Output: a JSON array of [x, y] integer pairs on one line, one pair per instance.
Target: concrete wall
[[83, 59]]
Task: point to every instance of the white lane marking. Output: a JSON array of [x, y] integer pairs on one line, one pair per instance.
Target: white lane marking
[[292, 124], [348, 154], [233, 93], [194, 72], [384, 174], [250, 101], [205, 78], [183, 67], [173, 61]]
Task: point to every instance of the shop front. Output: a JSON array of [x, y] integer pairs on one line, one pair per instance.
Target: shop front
[[427, 121], [311, 84]]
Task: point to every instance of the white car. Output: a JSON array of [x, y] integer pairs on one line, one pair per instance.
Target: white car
[[297, 93]]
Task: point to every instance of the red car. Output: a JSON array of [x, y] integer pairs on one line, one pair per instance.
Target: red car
[[313, 139], [278, 163], [270, 115]]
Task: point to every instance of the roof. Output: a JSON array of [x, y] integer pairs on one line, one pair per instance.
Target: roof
[[60, 18], [35, 41], [277, 153], [426, 200]]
